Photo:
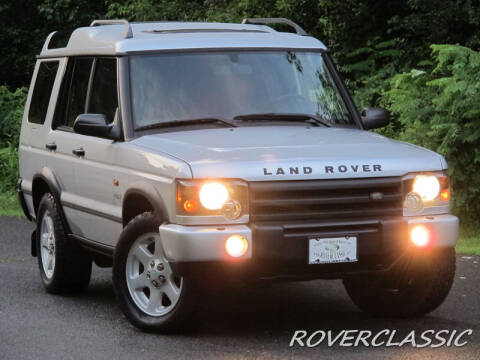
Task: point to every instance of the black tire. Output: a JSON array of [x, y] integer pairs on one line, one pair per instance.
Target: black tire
[[417, 285], [73, 266], [173, 321]]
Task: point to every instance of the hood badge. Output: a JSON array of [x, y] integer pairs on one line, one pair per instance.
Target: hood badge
[[307, 170]]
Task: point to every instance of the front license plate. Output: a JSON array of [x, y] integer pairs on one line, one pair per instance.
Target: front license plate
[[332, 250]]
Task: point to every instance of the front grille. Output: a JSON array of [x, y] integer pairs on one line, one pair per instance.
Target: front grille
[[325, 199]]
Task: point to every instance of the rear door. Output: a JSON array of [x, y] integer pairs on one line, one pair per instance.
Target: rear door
[[33, 152]]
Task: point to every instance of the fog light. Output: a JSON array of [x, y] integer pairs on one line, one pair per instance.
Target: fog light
[[236, 246], [420, 235]]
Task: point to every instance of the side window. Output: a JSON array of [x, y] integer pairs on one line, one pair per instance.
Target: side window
[[78, 90], [103, 99], [42, 91], [73, 93]]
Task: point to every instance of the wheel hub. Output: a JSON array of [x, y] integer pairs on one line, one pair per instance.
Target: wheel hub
[[156, 273]]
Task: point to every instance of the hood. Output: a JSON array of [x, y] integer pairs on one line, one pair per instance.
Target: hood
[[260, 153]]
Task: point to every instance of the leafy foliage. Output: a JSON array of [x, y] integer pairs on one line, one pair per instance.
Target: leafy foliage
[[437, 107], [8, 168], [11, 111]]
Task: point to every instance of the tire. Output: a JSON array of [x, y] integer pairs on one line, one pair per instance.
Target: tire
[[417, 285], [64, 266], [138, 261]]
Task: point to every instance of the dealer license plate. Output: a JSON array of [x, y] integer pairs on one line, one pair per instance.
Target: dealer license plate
[[332, 250]]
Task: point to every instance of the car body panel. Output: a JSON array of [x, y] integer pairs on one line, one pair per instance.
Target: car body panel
[[260, 153]]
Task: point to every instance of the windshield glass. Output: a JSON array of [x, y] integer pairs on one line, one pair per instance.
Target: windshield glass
[[174, 87]]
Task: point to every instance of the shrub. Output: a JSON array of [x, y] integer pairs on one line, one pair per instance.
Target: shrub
[[8, 169], [11, 111], [437, 107]]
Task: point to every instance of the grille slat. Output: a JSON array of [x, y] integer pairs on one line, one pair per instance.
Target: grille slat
[[325, 199]]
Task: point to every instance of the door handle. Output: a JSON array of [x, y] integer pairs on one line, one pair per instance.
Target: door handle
[[51, 146], [78, 152]]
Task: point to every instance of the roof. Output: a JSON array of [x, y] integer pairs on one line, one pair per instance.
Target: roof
[[120, 39]]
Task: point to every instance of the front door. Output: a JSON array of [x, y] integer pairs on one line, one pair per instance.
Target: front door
[[89, 205]]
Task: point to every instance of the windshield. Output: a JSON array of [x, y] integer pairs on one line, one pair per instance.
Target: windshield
[[225, 85]]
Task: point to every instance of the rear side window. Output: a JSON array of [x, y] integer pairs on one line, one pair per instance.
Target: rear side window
[[42, 91], [103, 98]]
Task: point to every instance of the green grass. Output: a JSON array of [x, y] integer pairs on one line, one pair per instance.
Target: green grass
[[469, 243], [9, 205]]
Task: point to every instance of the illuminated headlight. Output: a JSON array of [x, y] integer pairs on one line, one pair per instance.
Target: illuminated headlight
[[427, 193], [427, 186], [213, 195], [212, 198]]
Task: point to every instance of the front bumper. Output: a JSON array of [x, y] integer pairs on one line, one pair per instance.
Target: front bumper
[[281, 249]]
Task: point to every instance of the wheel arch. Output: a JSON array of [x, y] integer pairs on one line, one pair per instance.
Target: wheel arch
[[141, 197], [45, 182]]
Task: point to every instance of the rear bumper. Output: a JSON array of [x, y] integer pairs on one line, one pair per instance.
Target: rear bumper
[[281, 250]]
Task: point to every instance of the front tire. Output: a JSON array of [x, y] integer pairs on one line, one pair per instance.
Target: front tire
[[150, 295], [417, 285], [64, 266]]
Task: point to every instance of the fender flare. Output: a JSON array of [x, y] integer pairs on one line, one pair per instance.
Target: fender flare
[[47, 175], [149, 192]]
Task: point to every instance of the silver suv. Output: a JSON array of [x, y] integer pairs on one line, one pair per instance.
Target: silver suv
[[191, 154]]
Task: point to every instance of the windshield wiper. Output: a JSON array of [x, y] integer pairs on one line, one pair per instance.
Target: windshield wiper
[[187, 122], [317, 120]]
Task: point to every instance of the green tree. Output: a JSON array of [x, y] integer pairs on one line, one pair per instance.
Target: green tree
[[437, 107]]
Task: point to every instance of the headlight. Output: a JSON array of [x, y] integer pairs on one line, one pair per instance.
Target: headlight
[[427, 186], [213, 195], [426, 194], [227, 198]]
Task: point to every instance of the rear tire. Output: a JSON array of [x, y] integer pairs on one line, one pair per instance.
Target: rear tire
[[64, 266], [417, 285], [150, 295]]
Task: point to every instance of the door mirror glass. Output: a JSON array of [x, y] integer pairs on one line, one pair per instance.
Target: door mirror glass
[[374, 118], [93, 125]]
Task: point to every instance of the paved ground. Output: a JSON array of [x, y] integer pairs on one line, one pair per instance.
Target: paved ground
[[239, 324]]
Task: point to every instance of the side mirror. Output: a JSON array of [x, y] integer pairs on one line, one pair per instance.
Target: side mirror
[[374, 118], [93, 125]]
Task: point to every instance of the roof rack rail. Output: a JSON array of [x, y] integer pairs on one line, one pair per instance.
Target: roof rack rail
[[128, 33], [298, 28]]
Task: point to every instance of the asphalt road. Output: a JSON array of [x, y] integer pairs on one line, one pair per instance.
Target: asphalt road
[[236, 324]]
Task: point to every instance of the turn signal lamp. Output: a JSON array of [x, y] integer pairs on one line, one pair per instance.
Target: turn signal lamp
[[445, 195]]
